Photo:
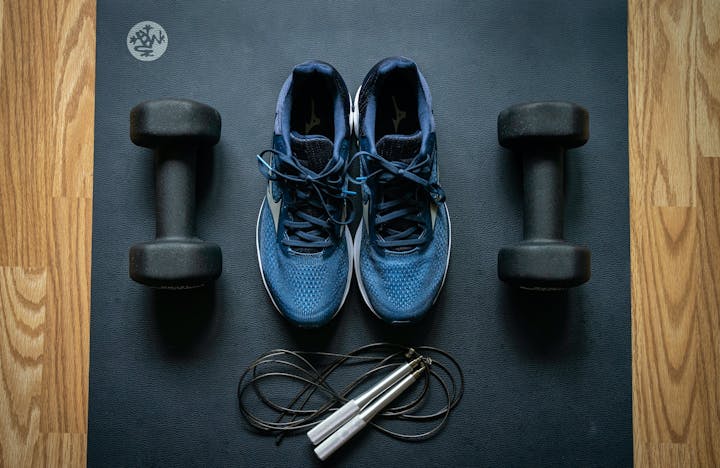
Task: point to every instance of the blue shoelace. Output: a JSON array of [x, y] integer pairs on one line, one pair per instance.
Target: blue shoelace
[[315, 199], [402, 191]]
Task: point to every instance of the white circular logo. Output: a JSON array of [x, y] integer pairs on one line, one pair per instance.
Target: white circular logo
[[147, 41]]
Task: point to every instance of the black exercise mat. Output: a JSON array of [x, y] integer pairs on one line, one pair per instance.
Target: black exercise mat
[[548, 376]]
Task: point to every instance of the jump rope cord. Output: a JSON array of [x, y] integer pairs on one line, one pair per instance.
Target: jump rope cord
[[293, 416]]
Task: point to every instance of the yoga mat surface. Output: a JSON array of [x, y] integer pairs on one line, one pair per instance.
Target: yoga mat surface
[[548, 376]]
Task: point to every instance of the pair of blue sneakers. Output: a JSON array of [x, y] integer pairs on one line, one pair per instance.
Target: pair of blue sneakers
[[402, 244]]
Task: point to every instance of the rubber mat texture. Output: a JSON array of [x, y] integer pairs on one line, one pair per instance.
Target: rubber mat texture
[[548, 375]]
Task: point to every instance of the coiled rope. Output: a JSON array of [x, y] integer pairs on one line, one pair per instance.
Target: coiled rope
[[313, 369]]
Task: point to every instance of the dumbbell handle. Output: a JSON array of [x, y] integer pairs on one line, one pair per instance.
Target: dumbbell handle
[[175, 192], [543, 198]]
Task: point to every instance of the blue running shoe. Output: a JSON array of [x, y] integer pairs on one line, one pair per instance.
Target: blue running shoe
[[304, 247], [402, 246]]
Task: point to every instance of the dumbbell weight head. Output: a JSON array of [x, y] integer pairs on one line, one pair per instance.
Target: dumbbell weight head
[[540, 133], [175, 264], [174, 122], [542, 265], [533, 124], [175, 129]]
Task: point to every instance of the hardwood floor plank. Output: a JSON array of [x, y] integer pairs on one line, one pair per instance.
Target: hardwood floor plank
[[2, 41], [665, 332], [65, 382], [708, 312], [672, 455], [61, 450], [22, 321], [75, 100], [661, 76], [673, 64], [707, 78], [26, 129]]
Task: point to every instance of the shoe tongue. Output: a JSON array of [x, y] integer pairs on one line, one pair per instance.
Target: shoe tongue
[[399, 147], [313, 151]]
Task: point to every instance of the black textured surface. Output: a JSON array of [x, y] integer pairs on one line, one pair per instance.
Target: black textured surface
[[548, 376]]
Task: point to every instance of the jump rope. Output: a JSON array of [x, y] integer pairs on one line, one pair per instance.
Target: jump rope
[[330, 426]]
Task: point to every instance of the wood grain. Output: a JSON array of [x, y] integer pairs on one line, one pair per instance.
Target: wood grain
[[674, 132], [74, 104], [65, 380], [22, 319], [61, 449], [707, 428], [660, 37], [706, 45], [47, 76], [666, 345], [26, 130]]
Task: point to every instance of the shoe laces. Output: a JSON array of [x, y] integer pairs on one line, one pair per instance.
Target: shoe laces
[[317, 200], [402, 192]]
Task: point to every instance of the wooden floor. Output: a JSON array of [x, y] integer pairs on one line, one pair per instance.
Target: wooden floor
[[47, 75]]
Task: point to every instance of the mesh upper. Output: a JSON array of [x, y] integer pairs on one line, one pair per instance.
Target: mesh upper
[[401, 286], [314, 151], [399, 147], [307, 288]]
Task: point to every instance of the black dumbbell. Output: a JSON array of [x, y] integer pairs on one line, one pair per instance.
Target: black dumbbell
[[175, 129], [540, 133]]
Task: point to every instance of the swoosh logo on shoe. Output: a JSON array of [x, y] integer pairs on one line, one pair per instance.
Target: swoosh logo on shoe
[[274, 205]]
